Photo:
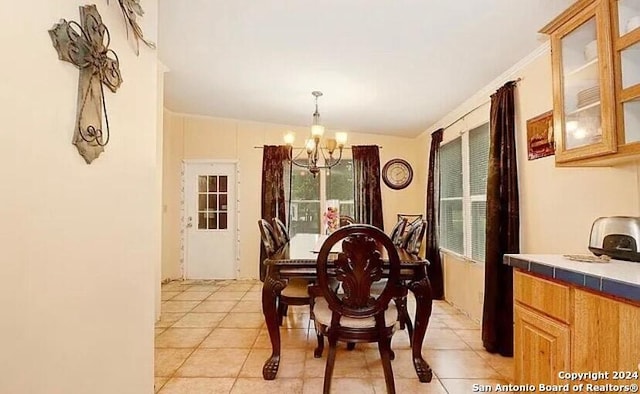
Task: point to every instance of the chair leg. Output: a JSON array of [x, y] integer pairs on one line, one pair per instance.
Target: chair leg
[[384, 347], [401, 303], [328, 371], [282, 312], [317, 353], [351, 345]]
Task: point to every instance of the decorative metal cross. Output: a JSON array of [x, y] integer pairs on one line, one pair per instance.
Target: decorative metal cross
[[88, 49]]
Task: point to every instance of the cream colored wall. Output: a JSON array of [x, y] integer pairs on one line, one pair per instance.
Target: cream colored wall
[[79, 243], [557, 205], [197, 137]]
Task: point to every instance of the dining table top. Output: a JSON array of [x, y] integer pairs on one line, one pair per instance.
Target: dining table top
[[303, 249]]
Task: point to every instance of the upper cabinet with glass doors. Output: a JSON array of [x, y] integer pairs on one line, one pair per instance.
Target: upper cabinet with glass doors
[[596, 82]]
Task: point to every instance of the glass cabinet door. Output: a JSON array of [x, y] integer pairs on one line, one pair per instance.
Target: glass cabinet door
[[584, 97], [626, 19]]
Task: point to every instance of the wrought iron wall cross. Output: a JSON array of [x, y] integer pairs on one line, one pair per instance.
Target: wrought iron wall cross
[[87, 47]]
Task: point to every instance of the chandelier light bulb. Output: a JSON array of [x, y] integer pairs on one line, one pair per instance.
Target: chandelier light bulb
[[289, 138], [341, 138]]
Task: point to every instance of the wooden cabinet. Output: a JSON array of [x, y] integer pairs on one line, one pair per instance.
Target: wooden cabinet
[[595, 51], [605, 335], [541, 347], [560, 327]]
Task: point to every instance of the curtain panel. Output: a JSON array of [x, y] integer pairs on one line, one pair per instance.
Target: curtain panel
[[502, 224], [274, 161], [432, 247], [366, 183]]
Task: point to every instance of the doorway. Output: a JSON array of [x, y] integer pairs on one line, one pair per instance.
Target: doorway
[[210, 219]]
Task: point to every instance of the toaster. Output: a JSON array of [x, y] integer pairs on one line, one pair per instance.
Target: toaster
[[617, 237]]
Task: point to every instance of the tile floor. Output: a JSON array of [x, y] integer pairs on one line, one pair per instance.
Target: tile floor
[[211, 338]]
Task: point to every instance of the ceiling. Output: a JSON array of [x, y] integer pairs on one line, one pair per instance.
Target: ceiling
[[385, 66]]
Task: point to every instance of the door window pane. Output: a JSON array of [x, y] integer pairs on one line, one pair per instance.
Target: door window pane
[[202, 183], [222, 223], [202, 221], [213, 183], [213, 202], [223, 183], [202, 202], [213, 221], [223, 202]]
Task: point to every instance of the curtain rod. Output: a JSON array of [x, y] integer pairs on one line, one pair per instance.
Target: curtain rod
[[474, 108]]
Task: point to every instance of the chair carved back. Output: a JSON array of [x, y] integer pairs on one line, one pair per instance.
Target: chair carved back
[[398, 231], [357, 267], [281, 231], [268, 237], [414, 237], [346, 220]]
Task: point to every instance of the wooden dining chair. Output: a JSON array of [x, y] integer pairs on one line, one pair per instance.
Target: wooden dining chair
[[414, 237], [357, 315], [268, 237], [397, 232], [346, 220], [281, 231]]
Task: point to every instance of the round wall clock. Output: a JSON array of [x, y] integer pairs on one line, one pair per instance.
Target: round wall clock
[[397, 174]]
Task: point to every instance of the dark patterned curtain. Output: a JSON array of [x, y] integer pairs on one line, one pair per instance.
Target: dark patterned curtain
[[366, 183], [502, 226], [432, 247], [274, 160]]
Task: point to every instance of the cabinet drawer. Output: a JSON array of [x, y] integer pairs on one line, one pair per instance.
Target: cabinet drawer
[[545, 296]]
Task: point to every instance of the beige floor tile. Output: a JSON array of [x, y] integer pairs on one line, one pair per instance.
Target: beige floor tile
[[256, 287], [202, 320], [168, 318], [213, 363], [243, 338], [167, 361], [158, 383], [291, 363], [252, 296], [215, 306], [459, 364], [259, 385], [242, 320], [461, 322], [402, 365], [410, 386], [239, 287], [226, 295], [192, 296], [159, 330], [178, 306], [167, 295], [349, 364], [198, 386], [296, 320], [443, 338], [444, 308], [292, 338], [504, 365], [435, 321], [473, 338], [176, 285], [340, 385], [462, 386], [248, 306], [181, 337], [207, 288]]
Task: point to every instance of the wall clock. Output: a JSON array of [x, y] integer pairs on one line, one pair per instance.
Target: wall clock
[[397, 174]]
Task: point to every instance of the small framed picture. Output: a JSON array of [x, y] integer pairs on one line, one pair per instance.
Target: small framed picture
[[540, 142]]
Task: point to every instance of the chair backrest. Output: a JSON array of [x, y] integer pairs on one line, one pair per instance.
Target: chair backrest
[[281, 232], [414, 237], [398, 231], [268, 237], [346, 220], [357, 267]]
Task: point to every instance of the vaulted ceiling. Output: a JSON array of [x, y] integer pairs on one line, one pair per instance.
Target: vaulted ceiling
[[385, 66]]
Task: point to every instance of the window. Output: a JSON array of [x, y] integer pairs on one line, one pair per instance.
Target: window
[[309, 196], [463, 193]]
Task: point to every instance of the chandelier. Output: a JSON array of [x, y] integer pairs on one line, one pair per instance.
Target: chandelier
[[314, 148]]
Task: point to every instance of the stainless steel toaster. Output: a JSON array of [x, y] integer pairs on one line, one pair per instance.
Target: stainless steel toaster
[[617, 237]]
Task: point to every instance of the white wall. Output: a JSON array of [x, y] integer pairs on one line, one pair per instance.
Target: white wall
[[557, 205], [79, 243], [199, 137]]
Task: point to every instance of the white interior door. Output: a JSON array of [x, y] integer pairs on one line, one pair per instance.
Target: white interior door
[[210, 215]]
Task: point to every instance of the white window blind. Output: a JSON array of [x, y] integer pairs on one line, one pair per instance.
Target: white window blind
[[463, 193]]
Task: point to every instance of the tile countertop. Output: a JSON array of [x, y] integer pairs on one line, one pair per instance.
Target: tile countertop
[[617, 277]]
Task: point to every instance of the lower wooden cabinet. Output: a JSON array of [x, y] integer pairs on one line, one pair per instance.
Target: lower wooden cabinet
[[600, 334], [542, 347]]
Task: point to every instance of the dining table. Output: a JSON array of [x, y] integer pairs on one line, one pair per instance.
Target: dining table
[[297, 259]]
